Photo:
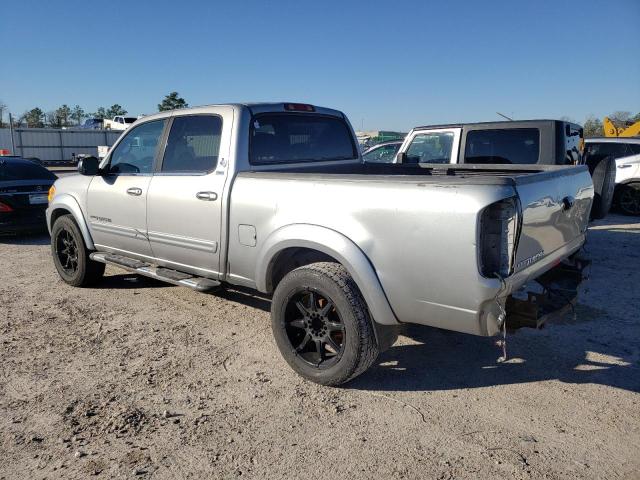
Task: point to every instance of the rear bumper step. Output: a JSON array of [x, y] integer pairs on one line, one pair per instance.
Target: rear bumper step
[[164, 274], [548, 297]]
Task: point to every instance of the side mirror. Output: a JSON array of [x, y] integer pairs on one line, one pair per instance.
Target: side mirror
[[401, 157], [88, 166]]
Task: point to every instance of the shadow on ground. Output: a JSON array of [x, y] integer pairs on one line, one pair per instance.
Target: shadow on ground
[[39, 238], [441, 360]]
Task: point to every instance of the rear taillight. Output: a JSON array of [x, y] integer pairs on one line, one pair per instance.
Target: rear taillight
[[4, 208], [499, 230]]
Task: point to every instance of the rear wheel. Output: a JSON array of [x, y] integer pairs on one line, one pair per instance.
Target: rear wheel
[[70, 254], [603, 174], [629, 198], [321, 324]]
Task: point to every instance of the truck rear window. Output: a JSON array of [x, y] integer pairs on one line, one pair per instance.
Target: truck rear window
[[507, 146], [292, 138]]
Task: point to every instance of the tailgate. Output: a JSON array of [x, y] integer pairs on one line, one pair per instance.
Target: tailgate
[[555, 212]]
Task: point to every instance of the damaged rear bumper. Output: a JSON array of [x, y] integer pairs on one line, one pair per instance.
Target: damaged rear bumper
[[548, 297]]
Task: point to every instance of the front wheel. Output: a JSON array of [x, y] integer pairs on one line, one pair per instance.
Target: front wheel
[[321, 324], [70, 254]]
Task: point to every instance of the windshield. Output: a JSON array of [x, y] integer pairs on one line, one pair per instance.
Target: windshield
[[291, 138], [129, 119], [23, 171], [382, 154]]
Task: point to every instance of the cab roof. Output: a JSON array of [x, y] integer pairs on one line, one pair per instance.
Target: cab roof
[[254, 108], [498, 124]]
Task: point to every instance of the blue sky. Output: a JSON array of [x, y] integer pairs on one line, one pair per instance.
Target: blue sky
[[388, 65]]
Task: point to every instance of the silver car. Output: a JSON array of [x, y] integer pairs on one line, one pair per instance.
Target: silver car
[[276, 197]]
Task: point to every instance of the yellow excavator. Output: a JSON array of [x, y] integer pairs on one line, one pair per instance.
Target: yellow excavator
[[610, 130]]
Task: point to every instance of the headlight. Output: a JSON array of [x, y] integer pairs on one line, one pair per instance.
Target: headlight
[[499, 230], [52, 192]]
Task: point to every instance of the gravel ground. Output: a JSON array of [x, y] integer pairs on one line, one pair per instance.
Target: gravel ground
[[137, 379]]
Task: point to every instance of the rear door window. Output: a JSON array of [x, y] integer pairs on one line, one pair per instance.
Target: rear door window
[[193, 144], [430, 147], [293, 138], [507, 146]]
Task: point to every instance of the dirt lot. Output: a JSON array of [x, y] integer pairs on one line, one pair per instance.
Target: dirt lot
[[137, 379]]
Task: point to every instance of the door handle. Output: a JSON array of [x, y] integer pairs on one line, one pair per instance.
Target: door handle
[[134, 191], [210, 196], [624, 165]]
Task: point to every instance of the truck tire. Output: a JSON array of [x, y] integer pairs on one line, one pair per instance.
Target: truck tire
[[628, 198], [70, 254], [321, 324], [603, 174]]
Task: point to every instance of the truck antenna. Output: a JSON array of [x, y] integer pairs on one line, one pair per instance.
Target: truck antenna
[[504, 116]]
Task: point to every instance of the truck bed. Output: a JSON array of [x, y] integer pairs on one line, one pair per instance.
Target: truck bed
[[433, 173], [415, 222]]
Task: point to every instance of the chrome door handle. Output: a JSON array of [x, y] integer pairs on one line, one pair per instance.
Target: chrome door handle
[[134, 191], [210, 196]]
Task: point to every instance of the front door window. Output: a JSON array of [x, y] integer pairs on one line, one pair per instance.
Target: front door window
[[135, 153]]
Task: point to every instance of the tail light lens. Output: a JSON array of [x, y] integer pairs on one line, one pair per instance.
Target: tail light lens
[[499, 230], [4, 208]]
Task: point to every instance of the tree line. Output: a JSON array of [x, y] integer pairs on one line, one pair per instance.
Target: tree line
[[66, 116]]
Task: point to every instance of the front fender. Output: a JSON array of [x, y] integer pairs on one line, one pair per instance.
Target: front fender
[[67, 202], [337, 246]]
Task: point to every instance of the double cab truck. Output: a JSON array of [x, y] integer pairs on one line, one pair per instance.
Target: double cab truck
[[522, 142], [275, 197]]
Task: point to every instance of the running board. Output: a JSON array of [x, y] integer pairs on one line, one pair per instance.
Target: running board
[[164, 274]]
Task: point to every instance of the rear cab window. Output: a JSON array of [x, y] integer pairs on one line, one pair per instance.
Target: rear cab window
[[504, 146], [277, 138]]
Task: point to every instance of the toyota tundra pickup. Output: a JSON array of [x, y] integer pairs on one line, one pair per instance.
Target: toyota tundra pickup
[[276, 197]]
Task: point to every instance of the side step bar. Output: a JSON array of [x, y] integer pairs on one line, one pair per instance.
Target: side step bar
[[164, 274]]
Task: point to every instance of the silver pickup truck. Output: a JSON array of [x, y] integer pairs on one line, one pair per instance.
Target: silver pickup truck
[[275, 197]]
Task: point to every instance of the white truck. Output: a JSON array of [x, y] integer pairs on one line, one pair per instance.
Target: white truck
[[119, 122]]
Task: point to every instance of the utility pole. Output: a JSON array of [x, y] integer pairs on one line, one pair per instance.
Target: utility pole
[[13, 143]]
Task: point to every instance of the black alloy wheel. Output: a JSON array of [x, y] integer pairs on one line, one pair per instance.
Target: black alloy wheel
[[71, 256], [67, 251], [321, 324], [314, 328]]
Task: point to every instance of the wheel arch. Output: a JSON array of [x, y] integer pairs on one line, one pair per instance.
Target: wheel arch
[[65, 204], [308, 243]]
